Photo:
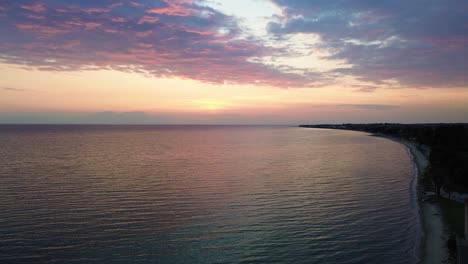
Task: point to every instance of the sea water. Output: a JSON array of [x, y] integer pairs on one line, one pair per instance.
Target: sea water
[[204, 194]]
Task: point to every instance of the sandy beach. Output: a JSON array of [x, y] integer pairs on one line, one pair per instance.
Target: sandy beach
[[434, 237]]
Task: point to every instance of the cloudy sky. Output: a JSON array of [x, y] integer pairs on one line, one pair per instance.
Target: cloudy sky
[[233, 62]]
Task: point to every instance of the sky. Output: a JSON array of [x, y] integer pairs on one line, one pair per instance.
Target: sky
[[233, 62]]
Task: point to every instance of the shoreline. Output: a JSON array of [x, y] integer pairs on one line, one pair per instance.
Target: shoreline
[[434, 236]]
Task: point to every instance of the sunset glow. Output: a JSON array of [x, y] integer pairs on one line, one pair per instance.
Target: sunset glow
[[232, 62]]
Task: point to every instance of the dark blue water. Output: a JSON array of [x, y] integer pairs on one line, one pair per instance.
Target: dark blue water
[[204, 194]]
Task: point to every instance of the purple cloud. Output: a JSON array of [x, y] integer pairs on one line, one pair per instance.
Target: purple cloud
[[160, 38], [419, 43]]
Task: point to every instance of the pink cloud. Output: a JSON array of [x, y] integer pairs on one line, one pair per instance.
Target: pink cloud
[[43, 30], [148, 19], [96, 10], [37, 7], [35, 16], [174, 8], [85, 25], [116, 5], [119, 19], [128, 36], [135, 4]]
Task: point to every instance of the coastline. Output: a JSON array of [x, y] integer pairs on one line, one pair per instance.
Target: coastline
[[433, 247]]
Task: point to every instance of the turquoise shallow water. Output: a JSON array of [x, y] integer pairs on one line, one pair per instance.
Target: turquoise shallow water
[[204, 194]]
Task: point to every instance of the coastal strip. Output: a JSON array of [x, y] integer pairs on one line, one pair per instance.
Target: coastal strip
[[434, 236]]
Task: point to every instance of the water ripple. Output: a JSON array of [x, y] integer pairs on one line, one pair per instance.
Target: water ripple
[[86, 194]]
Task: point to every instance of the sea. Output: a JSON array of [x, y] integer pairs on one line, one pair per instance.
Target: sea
[[204, 194]]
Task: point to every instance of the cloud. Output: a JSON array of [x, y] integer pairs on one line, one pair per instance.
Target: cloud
[[11, 89], [412, 43], [123, 118], [174, 8], [419, 43], [159, 38], [377, 107], [60, 117], [365, 88]]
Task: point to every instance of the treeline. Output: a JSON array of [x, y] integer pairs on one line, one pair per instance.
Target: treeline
[[448, 145]]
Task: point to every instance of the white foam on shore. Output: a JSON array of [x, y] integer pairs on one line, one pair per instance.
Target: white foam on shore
[[413, 190]]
